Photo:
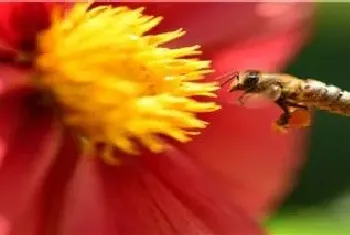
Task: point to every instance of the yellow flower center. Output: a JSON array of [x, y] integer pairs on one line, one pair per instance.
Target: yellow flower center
[[116, 86]]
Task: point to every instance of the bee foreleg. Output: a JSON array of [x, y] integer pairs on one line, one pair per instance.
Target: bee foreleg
[[241, 97]]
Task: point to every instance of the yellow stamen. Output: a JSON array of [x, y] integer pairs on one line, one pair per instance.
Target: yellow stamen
[[115, 85]]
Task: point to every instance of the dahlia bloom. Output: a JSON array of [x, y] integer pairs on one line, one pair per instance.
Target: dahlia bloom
[[83, 91]]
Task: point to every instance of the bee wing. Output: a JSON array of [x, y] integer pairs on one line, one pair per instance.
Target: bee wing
[[251, 100]]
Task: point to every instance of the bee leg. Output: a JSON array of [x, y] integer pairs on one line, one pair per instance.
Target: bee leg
[[300, 106], [277, 127], [240, 99], [281, 125]]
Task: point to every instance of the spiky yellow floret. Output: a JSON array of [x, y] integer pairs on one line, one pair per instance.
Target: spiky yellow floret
[[114, 84]]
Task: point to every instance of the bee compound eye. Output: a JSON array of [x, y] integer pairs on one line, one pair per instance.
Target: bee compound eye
[[252, 78]]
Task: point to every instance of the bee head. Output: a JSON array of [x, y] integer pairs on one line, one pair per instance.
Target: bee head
[[246, 80]]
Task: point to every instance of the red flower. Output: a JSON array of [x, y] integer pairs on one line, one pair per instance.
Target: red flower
[[217, 184]]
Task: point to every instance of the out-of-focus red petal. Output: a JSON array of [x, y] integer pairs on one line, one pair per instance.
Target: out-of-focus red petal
[[86, 209], [42, 214], [218, 25], [28, 154], [56, 185], [12, 105], [11, 109], [20, 23], [154, 194], [198, 192], [14, 80]]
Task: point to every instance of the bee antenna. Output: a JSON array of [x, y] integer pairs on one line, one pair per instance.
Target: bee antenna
[[226, 81], [230, 76]]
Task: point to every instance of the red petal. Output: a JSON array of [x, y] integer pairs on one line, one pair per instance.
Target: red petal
[[158, 195], [56, 185], [86, 209], [225, 23], [12, 106], [13, 79], [21, 22], [27, 158], [198, 192], [43, 212]]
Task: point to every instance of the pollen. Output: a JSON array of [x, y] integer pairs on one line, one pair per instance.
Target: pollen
[[116, 84]]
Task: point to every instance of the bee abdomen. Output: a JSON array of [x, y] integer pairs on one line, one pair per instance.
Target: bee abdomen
[[326, 97], [342, 105]]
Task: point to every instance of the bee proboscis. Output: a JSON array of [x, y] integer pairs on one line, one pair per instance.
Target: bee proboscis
[[294, 96]]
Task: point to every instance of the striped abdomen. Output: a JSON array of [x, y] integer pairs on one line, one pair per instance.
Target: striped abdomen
[[324, 97]]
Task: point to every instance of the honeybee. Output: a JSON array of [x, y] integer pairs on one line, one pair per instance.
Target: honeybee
[[294, 96]]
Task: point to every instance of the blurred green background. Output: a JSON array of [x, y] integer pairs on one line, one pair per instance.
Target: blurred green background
[[321, 202]]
